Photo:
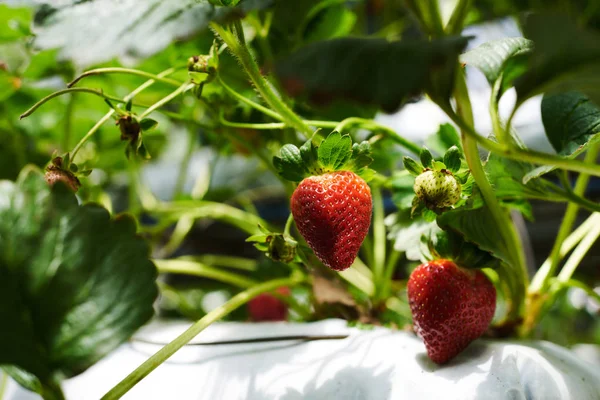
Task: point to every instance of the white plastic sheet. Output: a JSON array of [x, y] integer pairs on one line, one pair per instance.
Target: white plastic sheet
[[368, 365]]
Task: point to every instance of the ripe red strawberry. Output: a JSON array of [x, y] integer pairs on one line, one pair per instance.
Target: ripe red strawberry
[[266, 307], [451, 307], [333, 213]]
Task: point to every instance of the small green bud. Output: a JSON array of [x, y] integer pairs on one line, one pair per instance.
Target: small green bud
[[437, 189], [281, 248]]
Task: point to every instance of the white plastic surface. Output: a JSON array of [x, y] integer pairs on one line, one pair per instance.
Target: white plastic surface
[[369, 365]]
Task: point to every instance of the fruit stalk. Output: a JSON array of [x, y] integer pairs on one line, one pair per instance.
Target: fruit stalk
[[501, 218], [167, 351], [263, 86]]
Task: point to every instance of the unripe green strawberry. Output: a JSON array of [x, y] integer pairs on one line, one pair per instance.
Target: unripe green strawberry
[[437, 189], [451, 307], [333, 213]]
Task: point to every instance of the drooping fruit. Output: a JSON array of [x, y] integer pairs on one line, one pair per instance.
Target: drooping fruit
[[451, 307], [266, 307], [437, 189], [333, 213], [54, 174]]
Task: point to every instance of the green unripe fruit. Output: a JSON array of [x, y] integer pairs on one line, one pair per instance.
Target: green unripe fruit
[[437, 189]]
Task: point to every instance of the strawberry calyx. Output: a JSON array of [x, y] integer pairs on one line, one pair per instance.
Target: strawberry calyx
[[279, 247], [334, 153]]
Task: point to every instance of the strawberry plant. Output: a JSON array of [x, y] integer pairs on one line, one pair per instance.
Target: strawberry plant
[[174, 151]]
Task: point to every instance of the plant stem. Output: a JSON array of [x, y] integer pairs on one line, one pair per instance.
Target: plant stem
[[91, 132], [501, 217], [519, 154], [106, 117], [372, 125], [379, 239], [263, 86], [288, 225], [540, 280], [167, 351], [117, 70], [249, 102], [96, 92], [3, 384], [66, 142], [390, 266], [196, 268], [580, 251], [166, 99], [185, 163], [206, 209], [245, 264]]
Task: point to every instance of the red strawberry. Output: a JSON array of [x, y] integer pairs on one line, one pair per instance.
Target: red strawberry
[[451, 307], [266, 307], [333, 213]]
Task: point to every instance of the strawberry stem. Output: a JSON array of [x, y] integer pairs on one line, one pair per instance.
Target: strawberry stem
[[167, 351], [239, 49], [379, 239], [501, 217]]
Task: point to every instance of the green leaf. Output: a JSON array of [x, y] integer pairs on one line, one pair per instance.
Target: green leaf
[[328, 20], [119, 27], [74, 283], [451, 246], [491, 57], [426, 158], [452, 159], [147, 124], [335, 150], [289, 163], [361, 156], [565, 58], [446, 137], [412, 166], [309, 153], [507, 179], [371, 71], [406, 232], [474, 226], [262, 238], [571, 120], [14, 23]]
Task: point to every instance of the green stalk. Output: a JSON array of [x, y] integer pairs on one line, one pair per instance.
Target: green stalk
[[519, 154], [206, 209], [167, 351], [66, 142], [195, 268], [107, 116], [185, 163], [249, 102], [372, 125], [263, 86], [129, 71], [501, 218], [96, 92], [540, 280], [3, 384], [379, 239], [390, 267], [577, 256], [244, 264], [166, 99]]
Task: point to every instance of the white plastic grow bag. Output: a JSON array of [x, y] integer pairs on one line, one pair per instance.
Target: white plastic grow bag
[[370, 365]]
